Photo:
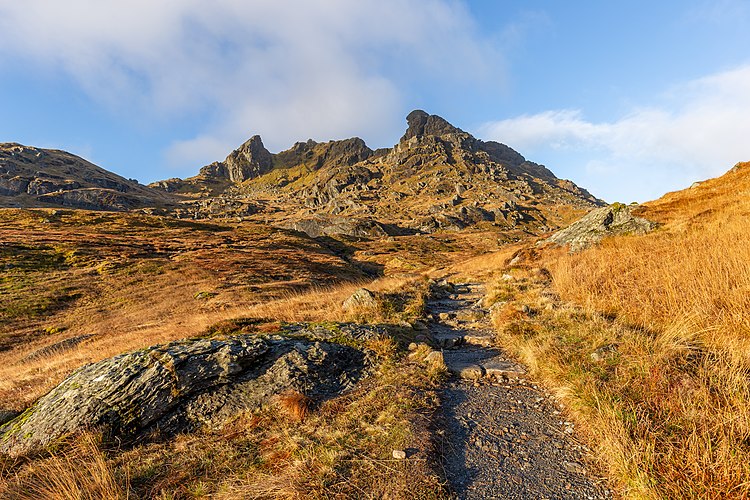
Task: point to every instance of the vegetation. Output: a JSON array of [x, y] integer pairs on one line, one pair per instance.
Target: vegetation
[[292, 448], [645, 339], [665, 398]]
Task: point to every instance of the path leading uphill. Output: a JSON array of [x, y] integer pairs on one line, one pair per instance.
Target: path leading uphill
[[504, 437]]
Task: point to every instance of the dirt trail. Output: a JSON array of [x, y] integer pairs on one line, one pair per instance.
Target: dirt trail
[[504, 436]]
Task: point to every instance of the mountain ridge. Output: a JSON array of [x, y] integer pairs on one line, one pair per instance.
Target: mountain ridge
[[31, 176], [437, 177]]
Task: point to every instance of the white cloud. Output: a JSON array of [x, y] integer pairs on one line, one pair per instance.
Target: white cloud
[[284, 69], [698, 130]]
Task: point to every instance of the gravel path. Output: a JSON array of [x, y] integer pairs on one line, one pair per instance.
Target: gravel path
[[504, 437]]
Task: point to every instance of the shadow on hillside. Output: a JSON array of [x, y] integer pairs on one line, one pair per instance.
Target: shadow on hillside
[[346, 252]]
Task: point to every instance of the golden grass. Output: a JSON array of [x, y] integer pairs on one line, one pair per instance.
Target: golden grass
[[343, 449], [668, 409], [81, 472], [138, 280]]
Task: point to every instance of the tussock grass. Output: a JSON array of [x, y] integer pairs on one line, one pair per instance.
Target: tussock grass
[[296, 404], [398, 298], [82, 471], [667, 407]]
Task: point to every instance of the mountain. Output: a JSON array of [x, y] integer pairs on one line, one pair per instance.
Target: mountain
[[32, 176], [437, 177]]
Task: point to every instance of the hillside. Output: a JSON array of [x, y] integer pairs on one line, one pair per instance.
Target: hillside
[[35, 177], [437, 177], [120, 281], [645, 336], [257, 365]]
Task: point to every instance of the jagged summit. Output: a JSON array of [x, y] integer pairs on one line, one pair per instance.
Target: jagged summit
[[250, 160], [422, 123], [437, 177]]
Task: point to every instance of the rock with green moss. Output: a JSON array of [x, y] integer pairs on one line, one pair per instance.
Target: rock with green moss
[[615, 219], [177, 387], [131, 392]]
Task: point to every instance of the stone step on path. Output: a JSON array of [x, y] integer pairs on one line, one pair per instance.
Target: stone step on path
[[502, 436], [473, 362]]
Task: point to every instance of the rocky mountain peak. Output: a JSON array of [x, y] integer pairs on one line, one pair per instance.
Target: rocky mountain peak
[[249, 161], [422, 123]]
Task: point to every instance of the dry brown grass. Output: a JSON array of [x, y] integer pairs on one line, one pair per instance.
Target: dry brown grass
[[343, 449], [81, 472], [137, 281], [295, 404], [669, 410]]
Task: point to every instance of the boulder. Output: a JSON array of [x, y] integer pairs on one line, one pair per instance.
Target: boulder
[[615, 219], [130, 392], [182, 385], [361, 299]]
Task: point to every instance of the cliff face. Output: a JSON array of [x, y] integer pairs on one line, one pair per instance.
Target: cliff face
[[250, 160]]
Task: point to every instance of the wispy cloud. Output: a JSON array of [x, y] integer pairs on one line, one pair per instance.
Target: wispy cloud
[[284, 69], [697, 130]]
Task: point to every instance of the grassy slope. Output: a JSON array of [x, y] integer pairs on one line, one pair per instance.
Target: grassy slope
[[668, 408], [666, 412], [132, 281], [341, 448]]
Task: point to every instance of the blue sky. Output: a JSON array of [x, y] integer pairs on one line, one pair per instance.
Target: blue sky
[[628, 99]]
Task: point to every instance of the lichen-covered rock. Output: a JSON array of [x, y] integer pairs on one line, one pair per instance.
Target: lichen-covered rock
[[360, 299], [600, 223], [317, 369], [130, 392], [179, 386]]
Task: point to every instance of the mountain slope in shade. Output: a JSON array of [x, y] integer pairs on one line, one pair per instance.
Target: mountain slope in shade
[[32, 176], [437, 177]]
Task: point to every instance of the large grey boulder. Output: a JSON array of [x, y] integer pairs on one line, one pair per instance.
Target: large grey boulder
[[362, 298], [130, 392], [179, 386], [615, 219]]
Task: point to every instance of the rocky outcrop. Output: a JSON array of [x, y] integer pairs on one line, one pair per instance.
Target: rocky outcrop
[[362, 298], [421, 124], [182, 385], [249, 161], [437, 178], [316, 156], [615, 219], [343, 226], [218, 207]]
